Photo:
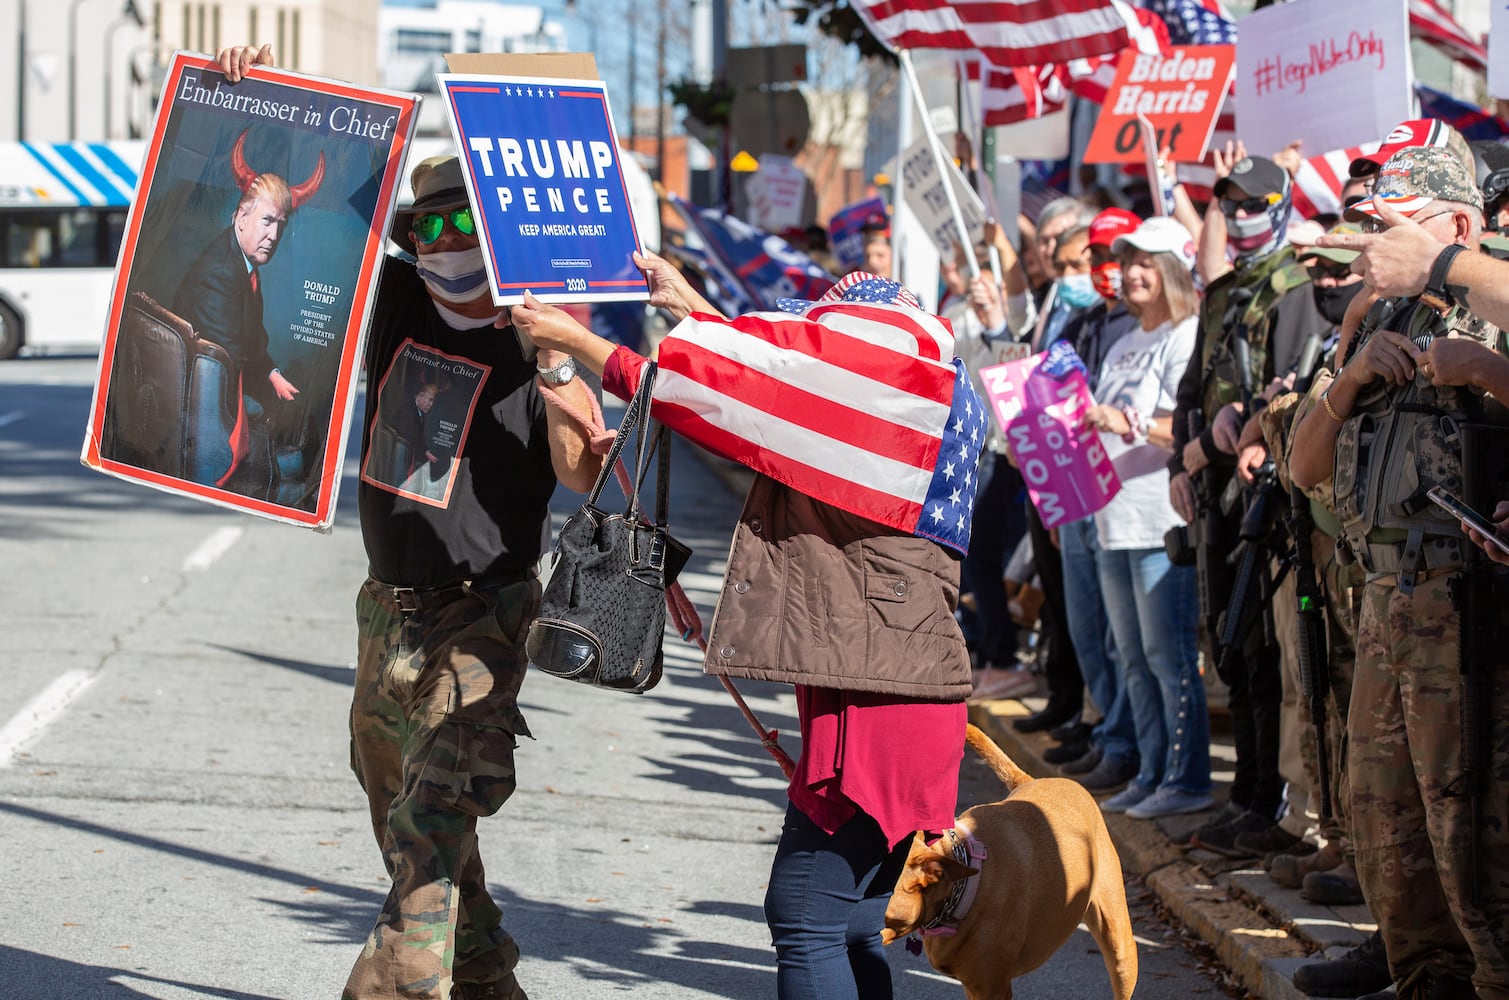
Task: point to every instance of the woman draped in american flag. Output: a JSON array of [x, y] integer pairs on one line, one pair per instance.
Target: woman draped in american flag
[[842, 579]]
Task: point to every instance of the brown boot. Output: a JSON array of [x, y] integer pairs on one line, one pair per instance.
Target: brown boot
[[1289, 870], [1337, 887]]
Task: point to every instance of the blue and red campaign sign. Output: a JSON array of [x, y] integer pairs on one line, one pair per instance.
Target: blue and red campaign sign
[[542, 167]]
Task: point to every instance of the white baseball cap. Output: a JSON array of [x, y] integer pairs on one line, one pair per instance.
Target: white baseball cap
[[1160, 234]]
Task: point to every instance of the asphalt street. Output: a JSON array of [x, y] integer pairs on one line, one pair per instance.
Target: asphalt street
[[177, 813]]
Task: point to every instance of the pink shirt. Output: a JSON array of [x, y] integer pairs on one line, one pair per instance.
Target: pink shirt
[[894, 758]]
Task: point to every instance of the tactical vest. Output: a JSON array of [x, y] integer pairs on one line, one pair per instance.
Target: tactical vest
[[1270, 278], [1398, 442]]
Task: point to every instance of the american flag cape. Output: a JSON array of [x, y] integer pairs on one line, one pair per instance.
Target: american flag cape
[[859, 405], [1004, 32]]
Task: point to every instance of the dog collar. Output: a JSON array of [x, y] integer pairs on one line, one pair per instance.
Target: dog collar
[[969, 852]]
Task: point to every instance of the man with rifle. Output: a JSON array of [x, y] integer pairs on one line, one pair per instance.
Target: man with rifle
[[1416, 407], [1318, 607], [1263, 303]]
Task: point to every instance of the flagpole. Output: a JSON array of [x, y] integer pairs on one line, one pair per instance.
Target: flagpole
[[984, 188], [898, 182], [936, 145]]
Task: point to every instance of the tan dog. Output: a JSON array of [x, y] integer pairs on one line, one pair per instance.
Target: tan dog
[[1045, 864]]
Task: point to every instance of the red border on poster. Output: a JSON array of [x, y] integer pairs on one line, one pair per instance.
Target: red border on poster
[[366, 171], [1179, 92]]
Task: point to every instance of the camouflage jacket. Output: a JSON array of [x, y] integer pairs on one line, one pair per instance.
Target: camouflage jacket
[[1399, 441]]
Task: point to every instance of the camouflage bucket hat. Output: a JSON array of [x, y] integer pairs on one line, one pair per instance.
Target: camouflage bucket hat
[[1414, 177]]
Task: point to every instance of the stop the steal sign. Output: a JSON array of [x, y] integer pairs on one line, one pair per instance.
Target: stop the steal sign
[[1180, 93]]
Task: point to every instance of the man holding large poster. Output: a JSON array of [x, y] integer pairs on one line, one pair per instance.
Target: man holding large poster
[[451, 589]]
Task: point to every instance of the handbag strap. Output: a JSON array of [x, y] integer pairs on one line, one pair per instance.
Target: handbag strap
[[638, 412]]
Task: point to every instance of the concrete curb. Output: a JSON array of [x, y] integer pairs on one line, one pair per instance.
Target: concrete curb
[[1259, 948]]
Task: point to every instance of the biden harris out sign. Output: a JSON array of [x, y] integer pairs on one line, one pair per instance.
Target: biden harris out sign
[[542, 167]]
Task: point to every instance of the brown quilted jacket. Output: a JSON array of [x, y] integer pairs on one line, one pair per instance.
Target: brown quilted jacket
[[814, 595]]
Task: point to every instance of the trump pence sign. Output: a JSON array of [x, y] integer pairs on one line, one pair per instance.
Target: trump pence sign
[[541, 162]]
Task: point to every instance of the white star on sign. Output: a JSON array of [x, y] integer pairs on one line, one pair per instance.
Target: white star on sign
[[507, 91]]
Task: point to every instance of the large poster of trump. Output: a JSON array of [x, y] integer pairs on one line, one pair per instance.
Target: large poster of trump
[[248, 267]]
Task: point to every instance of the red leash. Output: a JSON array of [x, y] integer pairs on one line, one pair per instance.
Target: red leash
[[680, 608]]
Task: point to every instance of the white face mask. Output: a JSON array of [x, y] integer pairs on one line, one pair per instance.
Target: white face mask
[[454, 275]]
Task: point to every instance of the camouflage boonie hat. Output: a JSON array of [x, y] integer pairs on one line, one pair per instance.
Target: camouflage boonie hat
[[1337, 254], [1414, 177]]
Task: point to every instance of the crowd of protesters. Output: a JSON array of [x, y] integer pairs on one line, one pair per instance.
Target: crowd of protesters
[[1279, 397]]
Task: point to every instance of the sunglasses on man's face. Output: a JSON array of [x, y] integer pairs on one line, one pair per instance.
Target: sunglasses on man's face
[[1252, 206], [428, 227], [1332, 269]]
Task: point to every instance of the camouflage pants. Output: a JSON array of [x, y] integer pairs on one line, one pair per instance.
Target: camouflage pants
[[1299, 757], [434, 717], [1414, 844]]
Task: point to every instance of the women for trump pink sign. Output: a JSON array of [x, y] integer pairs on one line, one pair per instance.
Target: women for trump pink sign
[[1040, 404]]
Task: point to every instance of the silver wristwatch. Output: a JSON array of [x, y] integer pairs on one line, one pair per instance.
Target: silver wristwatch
[[560, 374]]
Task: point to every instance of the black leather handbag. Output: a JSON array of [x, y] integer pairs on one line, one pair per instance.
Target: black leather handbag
[[602, 614]]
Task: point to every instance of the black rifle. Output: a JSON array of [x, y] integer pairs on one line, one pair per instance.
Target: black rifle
[[1252, 590], [1204, 536], [1314, 668]]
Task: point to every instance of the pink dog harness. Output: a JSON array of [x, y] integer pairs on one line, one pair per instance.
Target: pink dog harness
[[969, 852]]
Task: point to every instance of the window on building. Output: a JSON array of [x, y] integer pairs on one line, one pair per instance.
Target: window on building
[[416, 41]]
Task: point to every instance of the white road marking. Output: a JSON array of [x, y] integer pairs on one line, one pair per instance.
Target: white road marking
[[34, 717], [212, 548], [12, 417]]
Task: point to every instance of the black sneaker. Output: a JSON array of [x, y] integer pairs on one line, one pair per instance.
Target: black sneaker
[[1364, 969], [1049, 718], [1073, 731], [1263, 843], [1229, 812], [1066, 752], [1084, 763], [1113, 771], [1223, 839]]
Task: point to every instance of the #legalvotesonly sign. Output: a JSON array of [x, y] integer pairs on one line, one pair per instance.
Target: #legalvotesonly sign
[[1328, 73]]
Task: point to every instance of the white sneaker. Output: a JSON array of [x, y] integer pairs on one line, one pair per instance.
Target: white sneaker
[[1125, 799]]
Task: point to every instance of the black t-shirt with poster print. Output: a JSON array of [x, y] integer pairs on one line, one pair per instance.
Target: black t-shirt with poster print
[[455, 465]]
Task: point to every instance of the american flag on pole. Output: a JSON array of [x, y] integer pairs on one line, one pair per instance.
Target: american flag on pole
[[858, 404], [1435, 27], [1004, 32], [1194, 22]]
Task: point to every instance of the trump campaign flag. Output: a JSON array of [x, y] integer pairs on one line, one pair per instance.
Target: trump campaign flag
[[763, 266], [857, 403]]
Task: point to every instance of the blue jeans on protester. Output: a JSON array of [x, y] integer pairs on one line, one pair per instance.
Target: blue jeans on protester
[[1090, 631], [826, 908], [1153, 611]]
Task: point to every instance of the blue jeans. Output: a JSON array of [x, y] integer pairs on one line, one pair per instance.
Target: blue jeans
[[1153, 613], [826, 908], [1090, 631]]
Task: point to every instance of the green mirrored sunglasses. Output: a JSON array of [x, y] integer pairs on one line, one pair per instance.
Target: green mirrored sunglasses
[[428, 227]]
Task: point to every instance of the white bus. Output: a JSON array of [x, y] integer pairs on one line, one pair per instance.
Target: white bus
[[62, 214]]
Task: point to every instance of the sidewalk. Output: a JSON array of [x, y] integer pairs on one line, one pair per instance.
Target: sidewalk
[[1258, 930]]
